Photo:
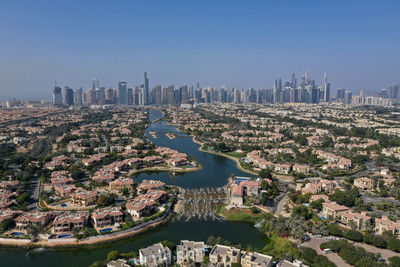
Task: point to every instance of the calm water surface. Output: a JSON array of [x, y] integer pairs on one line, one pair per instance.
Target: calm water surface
[[214, 173]]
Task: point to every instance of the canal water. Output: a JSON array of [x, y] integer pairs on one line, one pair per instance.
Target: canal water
[[215, 172]]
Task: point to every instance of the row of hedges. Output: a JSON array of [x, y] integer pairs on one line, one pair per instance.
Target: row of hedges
[[387, 241], [357, 256]]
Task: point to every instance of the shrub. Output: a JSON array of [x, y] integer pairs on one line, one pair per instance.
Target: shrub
[[393, 244], [112, 255], [354, 235], [335, 230], [395, 260], [322, 261], [308, 254]]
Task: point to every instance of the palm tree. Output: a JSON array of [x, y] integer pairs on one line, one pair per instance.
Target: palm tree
[[34, 230]]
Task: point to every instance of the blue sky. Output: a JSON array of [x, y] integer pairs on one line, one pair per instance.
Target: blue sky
[[236, 43]]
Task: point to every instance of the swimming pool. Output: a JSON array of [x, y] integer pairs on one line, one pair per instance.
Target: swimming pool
[[63, 205], [17, 234], [106, 230], [323, 218], [64, 236]]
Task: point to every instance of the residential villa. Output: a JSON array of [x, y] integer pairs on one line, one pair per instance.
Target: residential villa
[[332, 209], [254, 259], [83, 197], [385, 224], [244, 188], [69, 221], [146, 185], [6, 214], [155, 255], [282, 168], [365, 184], [314, 187], [34, 217], [301, 168], [59, 178], [65, 190], [139, 208], [94, 159], [118, 263], [325, 198], [121, 183], [360, 220], [224, 255], [108, 216], [190, 251]]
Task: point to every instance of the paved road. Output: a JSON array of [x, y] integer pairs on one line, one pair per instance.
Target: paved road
[[35, 185], [315, 243], [371, 199], [280, 204]]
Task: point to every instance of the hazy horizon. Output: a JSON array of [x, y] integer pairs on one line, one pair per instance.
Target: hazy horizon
[[211, 42]]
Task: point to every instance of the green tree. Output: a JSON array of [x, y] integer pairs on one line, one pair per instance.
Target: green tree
[[308, 254], [167, 243], [265, 174], [394, 261], [211, 241], [34, 230], [322, 261], [317, 205], [112, 255], [335, 230], [7, 224], [302, 212], [354, 235]]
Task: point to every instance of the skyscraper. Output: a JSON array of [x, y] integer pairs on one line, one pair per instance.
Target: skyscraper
[[327, 89], [57, 95], [95, 83], [122, 93], [109, 96], [78, 98], [157, 95], [68, 96], [347, 97], [146, 90], [91, 97], [340, 94], [130, 96], [170, 95], [183, 94]]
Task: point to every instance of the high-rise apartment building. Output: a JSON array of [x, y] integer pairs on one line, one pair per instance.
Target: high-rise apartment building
[[78, 97], [68, 96], [122, 90], [327, 89], [57, 96], [157, 95]]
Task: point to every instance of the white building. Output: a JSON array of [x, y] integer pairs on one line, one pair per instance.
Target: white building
[[190, 251], [155, 255]]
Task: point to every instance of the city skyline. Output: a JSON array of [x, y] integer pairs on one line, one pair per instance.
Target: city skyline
[[239, 45], [303, 89]]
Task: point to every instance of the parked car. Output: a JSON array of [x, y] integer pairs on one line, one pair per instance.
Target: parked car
[[327, 250]]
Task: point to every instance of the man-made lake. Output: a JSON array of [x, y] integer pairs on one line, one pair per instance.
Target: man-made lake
[[215, 172]]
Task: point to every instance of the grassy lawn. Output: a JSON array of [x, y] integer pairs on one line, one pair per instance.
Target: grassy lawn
[[279, 247], [236, 154], [238, 214]]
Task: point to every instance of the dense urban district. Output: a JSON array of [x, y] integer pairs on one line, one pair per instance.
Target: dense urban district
[[322, 183]]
